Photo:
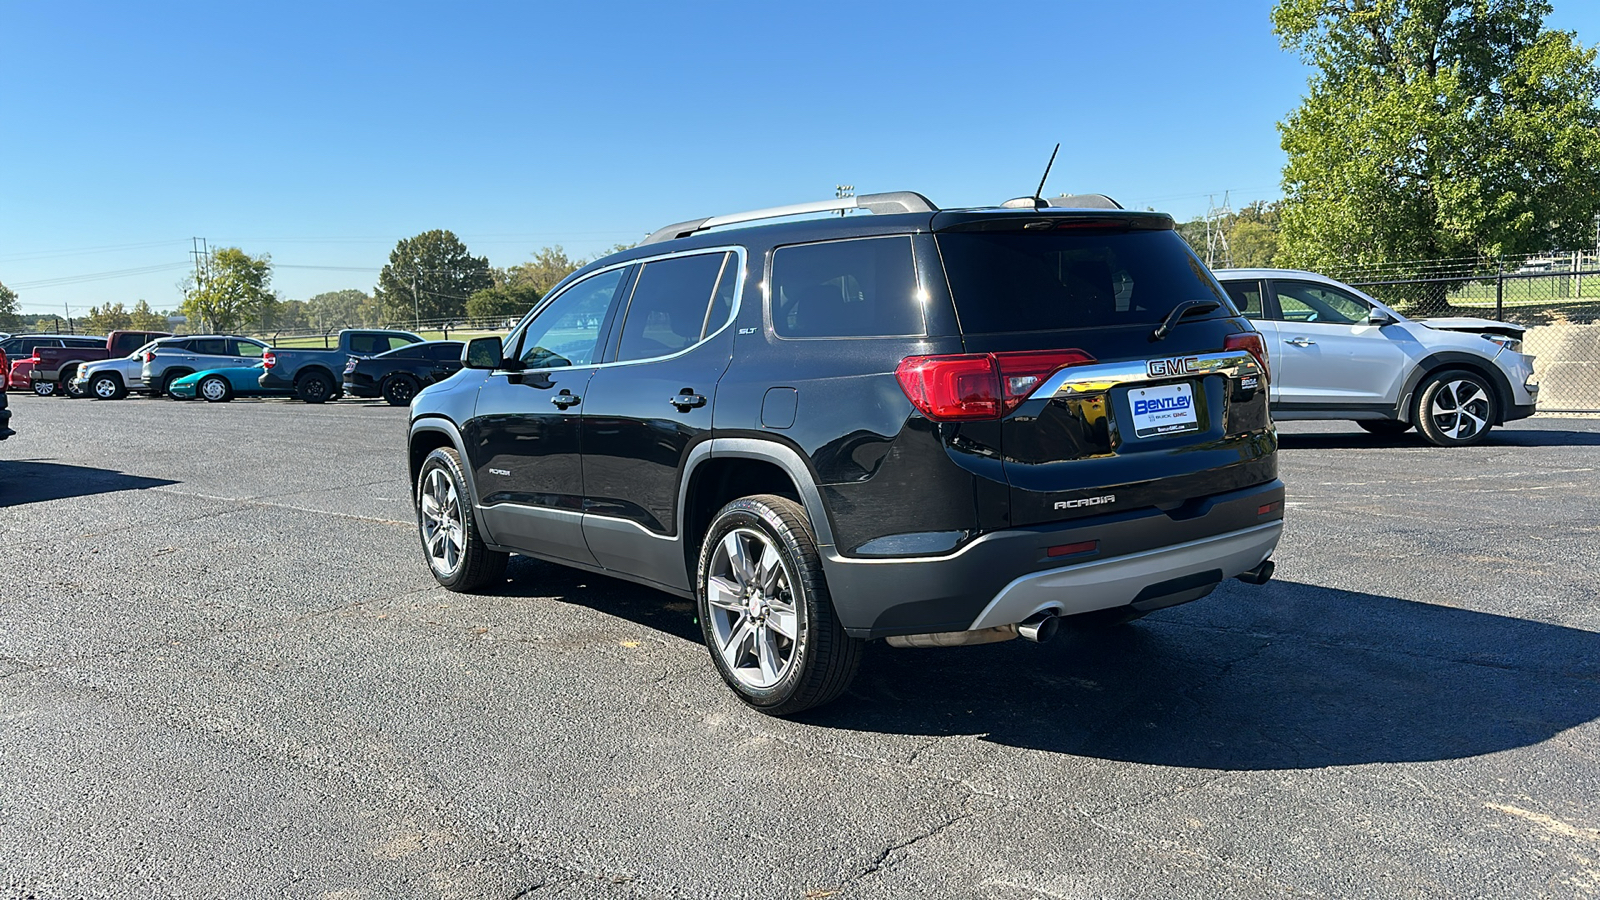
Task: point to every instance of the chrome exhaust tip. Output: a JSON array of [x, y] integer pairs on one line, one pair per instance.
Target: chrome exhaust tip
[[1040, 627]]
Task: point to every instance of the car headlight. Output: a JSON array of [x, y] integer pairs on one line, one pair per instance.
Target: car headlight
[[1505, 341]]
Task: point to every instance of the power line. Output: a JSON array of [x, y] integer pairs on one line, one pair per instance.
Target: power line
[[97, 276]]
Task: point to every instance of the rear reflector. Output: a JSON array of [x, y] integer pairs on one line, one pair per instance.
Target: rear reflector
[[1075, 549], [1270, 508], [968, 386]]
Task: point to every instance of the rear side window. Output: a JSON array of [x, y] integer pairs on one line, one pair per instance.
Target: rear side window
[[669, 307], [855, 288], [1246, 297], [83, 343], [1018, 281], [210, 347]]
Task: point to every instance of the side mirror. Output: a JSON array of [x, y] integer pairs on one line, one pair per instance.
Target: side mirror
[[483, 353], [1379, 317]]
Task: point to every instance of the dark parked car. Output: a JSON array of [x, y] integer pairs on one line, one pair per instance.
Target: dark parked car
[[933, 427], [397, 375], [5, 412]]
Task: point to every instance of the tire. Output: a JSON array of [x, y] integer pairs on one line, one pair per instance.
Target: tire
[[399, 390], [1384, 427], [165, 390], [1455, 408], [455, 551], [764, 543], [314, 387], [44, 388], [67, 390], [107, 387], [214, 389]]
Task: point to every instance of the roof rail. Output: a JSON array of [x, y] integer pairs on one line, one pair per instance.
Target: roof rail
[[882, 204]]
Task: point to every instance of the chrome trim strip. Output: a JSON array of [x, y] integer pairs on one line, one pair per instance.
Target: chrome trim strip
[[1097, 379]]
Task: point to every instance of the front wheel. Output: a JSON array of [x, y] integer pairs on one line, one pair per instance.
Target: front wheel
[[214, 389], [67, 388], [765, 610], [457, 554], [1455, 409], [106, 387]]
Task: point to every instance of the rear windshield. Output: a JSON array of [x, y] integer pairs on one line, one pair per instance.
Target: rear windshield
[[1020, 281]]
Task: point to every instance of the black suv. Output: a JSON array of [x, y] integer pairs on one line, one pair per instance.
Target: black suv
[[935, 427]]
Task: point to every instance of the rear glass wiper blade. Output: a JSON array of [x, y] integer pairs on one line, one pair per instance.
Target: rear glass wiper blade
[[1178, 312]]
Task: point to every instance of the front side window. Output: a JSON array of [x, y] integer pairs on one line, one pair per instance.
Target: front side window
[[854, 288], [249, 350], [670, 304], [1303, 301], [567, 332]]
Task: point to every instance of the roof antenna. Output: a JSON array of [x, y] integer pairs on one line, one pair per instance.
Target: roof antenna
[[1037, 201]]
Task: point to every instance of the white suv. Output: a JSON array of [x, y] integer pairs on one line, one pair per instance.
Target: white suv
[[1338, 354]]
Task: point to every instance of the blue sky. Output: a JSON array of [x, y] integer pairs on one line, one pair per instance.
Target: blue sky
[[322, 133]]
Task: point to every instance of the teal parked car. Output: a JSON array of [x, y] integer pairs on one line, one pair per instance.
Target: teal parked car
[[222, 385]]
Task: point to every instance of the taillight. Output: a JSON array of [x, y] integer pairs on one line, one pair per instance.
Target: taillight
[[149, 356], [1251, 341], [268, 360], [967, 386]]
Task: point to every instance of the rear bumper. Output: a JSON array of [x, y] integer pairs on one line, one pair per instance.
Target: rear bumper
[[364, 388], [1146, 557]]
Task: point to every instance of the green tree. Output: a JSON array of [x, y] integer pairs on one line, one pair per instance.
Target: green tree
[[1252, 234], [508, 301], [111, 317], [235, 291], [548, 266], [343, 309], [430, 276], [143, 318], [293, 315], [10, 314], [1436, 129]]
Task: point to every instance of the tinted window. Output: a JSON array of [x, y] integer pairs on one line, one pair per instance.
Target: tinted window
[[1021, 281], [444, 351], [860, 288], [1246, 297], [1304, 302], [669, 305], [84, 342], [368, 344], [210, 346], [566, 332]]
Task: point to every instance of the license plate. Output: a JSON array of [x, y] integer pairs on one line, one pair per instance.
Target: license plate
[[1167, 409]]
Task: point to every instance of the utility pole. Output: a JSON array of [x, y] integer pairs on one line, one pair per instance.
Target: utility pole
[[68, 310], [416, 304], [1216, 235], [202, 268]]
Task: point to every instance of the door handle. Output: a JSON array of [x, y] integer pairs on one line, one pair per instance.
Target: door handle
[[1301, 342], [686, 402], [565, 399]]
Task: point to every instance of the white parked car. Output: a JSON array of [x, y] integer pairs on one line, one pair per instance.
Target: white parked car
[[1337, 353], [112, 379]]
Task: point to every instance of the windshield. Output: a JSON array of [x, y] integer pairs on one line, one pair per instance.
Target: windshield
[[1019, 281]]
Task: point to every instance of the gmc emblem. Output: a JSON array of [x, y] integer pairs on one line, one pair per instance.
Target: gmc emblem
[[1181, 365]]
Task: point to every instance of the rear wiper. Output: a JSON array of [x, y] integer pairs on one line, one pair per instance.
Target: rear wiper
[[1178, 312]]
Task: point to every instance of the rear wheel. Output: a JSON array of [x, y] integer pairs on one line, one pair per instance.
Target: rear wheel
[[165, 390], [107, 387], [314, 387], [399, 390], [44, 388], [1384, 427], [765, 610], [457, 554], [1455, 409], [214, 389]]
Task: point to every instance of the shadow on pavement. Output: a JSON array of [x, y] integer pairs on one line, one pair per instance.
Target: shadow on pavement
[[1287, 676], [1284, 676], [1499, 437], [33, 481]]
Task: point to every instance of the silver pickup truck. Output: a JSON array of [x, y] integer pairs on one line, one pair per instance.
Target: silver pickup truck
[[311, 373]]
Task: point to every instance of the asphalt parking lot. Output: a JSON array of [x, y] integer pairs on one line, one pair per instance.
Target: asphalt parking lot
[[226, 672]]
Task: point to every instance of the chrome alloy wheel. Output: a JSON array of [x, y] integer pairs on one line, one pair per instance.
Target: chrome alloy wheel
[[443, 528], [213, 389], [104, 388], [1460, 409], [750, 593]]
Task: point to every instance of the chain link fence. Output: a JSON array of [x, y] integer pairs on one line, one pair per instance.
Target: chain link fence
[[1556, 296]]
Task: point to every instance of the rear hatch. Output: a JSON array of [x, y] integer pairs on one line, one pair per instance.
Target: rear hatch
[[1164, 401]]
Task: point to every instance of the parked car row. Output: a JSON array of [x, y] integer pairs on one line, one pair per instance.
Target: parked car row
[[383, 363]]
